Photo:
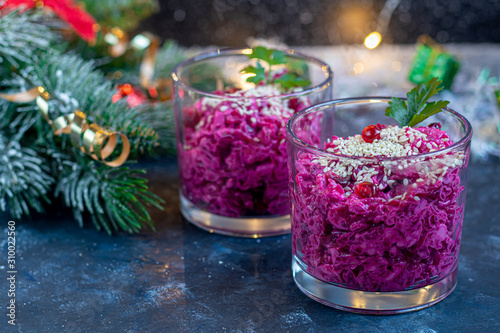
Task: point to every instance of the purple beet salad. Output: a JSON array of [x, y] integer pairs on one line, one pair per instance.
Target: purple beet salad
[[234, 160], [389, 219]]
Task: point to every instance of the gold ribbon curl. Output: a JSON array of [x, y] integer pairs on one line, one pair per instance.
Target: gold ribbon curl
[[119, 43], [90, 138]]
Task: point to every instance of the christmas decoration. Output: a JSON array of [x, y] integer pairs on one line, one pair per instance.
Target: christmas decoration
[[139, 62], [431, 60], [157, 110], [116, 41], [40, 163], [92, 139], [477, 101], [125, 14], [79, 19], [133, 96], [497, 95]]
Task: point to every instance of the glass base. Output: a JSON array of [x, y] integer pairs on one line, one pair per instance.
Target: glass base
[[375, 303], [253, 227]]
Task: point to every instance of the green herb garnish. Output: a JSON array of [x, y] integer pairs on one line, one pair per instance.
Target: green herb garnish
[[272, 58], [416, 109]]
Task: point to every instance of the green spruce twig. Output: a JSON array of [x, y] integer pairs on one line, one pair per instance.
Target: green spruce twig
[[24, 179], [22, 36], [35, 161]]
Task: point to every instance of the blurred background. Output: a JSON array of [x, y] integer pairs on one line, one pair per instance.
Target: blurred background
[[324, 22]]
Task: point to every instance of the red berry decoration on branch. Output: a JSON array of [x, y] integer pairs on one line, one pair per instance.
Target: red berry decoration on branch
[[134, 96]]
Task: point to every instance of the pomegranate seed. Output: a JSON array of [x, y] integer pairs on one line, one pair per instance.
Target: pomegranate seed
[[435, 125], [366, 190], [191, 117], [231, 90], [293, 104], [371, 132]]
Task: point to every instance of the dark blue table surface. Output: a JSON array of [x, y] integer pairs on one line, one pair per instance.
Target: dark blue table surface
[[182, 278]]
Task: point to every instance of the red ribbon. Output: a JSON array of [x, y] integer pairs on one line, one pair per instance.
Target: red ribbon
[[78, 18]]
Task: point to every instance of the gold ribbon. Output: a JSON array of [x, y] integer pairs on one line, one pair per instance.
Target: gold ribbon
[[92, 139], [149, 43], [117, 39], [23, 97]]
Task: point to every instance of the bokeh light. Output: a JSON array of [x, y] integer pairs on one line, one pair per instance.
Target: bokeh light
[[373, 40]]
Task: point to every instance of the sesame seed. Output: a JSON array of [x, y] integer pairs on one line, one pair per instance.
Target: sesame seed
[[395, 142]]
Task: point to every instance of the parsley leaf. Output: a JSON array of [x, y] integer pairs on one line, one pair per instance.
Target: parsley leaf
[[290, 80], [429, 110], [416, 109], [398, 111], [259, 71], [272, 58]]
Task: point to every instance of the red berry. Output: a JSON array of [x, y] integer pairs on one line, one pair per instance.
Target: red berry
[[190, 116], [435, 125], [231, 90], [366, 190], [371, 132], [293, 104]]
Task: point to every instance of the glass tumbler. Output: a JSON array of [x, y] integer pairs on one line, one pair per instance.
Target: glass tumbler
[[394, 250], [231, 140]]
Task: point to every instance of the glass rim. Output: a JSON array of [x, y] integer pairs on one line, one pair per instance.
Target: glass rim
[[244, 51], [293, 139]]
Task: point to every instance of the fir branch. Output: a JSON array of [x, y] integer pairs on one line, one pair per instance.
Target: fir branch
[[24, 179], [74, 84], [169, 55], [22, 37], [125, 14], [160, 116], [16, 120], [114, 197]]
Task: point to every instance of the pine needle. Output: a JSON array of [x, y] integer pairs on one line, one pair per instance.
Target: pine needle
[[34, 162]]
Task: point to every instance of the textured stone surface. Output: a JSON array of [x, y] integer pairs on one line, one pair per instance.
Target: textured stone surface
[[184, 279]]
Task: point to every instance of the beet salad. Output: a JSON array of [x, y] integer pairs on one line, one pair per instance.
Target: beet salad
[[389, 218]]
